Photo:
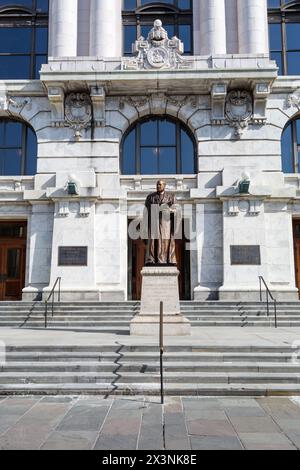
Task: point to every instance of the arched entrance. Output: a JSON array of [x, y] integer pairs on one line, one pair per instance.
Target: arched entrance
[[136, 262]]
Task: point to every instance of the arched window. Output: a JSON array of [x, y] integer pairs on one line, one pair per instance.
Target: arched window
[[18, 149], [176, 15], [23, 38], [284, 28], [158, 146], [291, 147]]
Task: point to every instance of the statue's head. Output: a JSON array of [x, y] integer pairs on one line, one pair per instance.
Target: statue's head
[[160, 186], [157, 24]]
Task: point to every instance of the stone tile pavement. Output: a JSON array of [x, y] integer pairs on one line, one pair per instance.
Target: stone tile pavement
[[130, 423]]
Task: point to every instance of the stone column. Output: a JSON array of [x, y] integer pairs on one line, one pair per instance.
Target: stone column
[[63, 28], [212, 27], [106, 28], [84, 27], [232, 35], [196, 19], [253, 27]]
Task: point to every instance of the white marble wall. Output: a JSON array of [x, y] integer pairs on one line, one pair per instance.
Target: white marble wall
[[39, 250], [72, 230], [209, 249]]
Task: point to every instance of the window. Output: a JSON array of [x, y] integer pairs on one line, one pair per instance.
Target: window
[[18, 149], [284, 27], [23, 38], [291, 147], [176, 15], [158, 146]]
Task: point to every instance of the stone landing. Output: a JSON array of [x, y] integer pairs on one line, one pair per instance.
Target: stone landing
[[160, 284]]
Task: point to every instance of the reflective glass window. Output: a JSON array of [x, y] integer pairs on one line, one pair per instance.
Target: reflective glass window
[[158, 146]]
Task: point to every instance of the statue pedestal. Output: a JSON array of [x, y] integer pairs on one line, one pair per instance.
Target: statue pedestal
[[160, 284]]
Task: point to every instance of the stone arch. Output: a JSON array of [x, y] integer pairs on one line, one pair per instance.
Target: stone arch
[[35, 112], [122, 112]]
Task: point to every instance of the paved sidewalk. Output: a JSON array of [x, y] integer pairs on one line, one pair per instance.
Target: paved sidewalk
[[200, 336], [72, 423]]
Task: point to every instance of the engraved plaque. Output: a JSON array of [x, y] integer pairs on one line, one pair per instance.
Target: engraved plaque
[[245, 255], [72, 256]]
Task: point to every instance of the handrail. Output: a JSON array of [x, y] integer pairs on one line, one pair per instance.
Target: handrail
[[51, 295], [268, 295]]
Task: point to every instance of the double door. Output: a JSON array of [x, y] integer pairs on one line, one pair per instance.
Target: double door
[[12, 269]]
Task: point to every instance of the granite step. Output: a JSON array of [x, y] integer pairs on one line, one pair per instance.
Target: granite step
[[170, 389], [41, 357], [144, 368], [151, 377]]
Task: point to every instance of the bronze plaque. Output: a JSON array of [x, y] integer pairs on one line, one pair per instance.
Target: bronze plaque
[[72, 256], [245, 255]]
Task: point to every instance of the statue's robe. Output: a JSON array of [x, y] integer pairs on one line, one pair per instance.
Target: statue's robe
[[158, 228]]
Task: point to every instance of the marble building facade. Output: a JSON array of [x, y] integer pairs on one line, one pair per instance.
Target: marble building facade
[[228, 96]]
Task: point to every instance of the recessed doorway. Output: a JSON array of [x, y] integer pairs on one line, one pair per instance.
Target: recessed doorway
[[12, 260], [136, 262]]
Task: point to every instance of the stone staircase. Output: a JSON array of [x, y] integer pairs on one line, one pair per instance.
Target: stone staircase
[[123, 369], [115, 317]]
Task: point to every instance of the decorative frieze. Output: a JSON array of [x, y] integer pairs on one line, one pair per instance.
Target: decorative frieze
[[157, 52], [237, 206], [176, 100], [63, 209], [85, 209], [77, 110], [294, 100], [239, 107]]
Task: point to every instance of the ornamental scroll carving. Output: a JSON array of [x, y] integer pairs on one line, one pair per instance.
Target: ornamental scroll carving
[[294, 100], [78, 112], [240, 107], [157, 52], [141, 101], [239, 110]]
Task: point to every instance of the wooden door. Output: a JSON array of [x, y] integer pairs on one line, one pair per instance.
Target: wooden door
[[297, 251], [138, 262], [12, 260]]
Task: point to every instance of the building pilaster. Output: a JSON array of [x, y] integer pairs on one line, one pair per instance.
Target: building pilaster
[[253, 27], [212, 27], [106, 28], [63, 28]]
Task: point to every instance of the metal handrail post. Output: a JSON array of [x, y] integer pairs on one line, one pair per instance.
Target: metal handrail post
[[260, 288], [52, 297], [161, 346], [59, 287], [268, 297], [46, 315]]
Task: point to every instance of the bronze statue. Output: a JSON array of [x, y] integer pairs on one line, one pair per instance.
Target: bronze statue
[[158, 227]]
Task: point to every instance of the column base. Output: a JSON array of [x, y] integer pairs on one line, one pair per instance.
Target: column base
[[148, 325], [160, 284]]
